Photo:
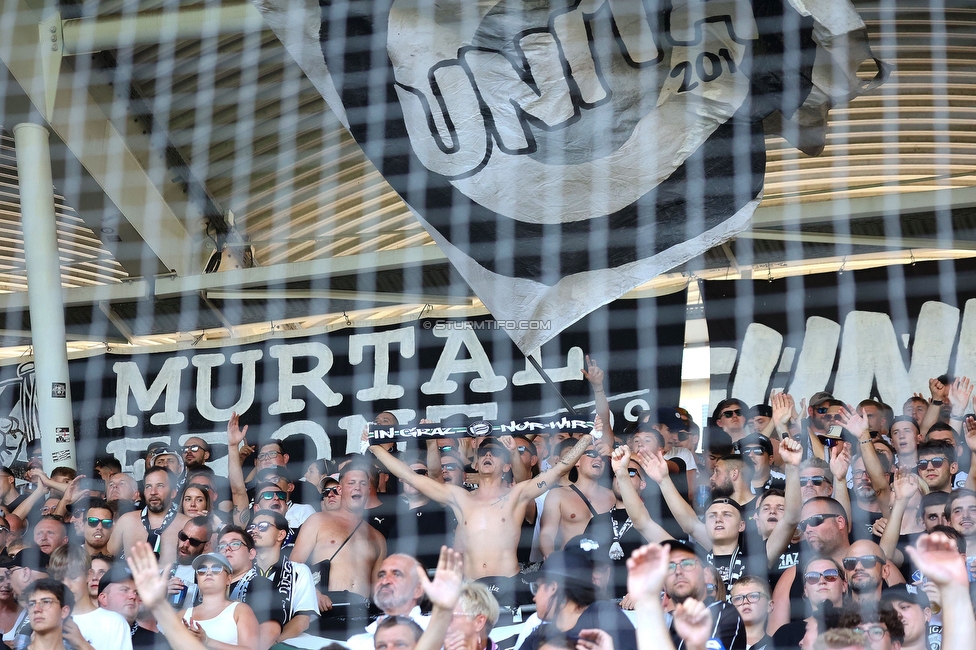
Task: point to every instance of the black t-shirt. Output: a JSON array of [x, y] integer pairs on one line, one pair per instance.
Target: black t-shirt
[[862, 522], [262, 597], [605, 529], [727, 627], [383, 516], [143, 639], [601, 615], [788, 637]]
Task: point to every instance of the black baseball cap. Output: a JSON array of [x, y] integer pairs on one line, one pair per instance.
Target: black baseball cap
[[564, 565], [116, 574], [906, 593]]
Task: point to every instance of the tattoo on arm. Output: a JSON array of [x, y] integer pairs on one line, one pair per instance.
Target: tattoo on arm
[[577, 450], [541, 484]]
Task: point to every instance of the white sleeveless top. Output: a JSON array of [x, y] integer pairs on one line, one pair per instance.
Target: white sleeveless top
[[221, 627]]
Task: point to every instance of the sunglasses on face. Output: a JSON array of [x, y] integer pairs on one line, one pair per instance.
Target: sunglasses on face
[[329, 491], [683, 435], [522, 449], [813, 577], [192, 449], [450, 467], [632, 472], [445, 448], [814, 521], [422, 472], [732, 413], [591, 453], [866, 561], [261, 528], [815, 481], [751, 597], [484, 451], [936, 462], [209, 569], [832, 418], [276, 494], [183, 537], [235, 545], [822, 409], [753, 451], [94, 521]]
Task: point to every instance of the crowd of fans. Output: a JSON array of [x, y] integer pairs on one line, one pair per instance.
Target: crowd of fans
[[812, 524]]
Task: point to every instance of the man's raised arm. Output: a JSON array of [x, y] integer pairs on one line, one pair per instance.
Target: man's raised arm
[[436, 490], [636, 510], [235, 471], [656, 468], [532, 488], [792, 453]]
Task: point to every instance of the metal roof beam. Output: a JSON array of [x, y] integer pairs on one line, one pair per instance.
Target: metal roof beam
[[77, 119]]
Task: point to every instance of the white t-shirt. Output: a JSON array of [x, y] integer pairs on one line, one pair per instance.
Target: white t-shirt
[[104, 630], [297, 514], [691, 465], [303, 598]]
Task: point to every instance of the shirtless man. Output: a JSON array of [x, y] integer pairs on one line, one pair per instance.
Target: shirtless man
[[338, 545], [158, 523], [489, 518], [569, 508]]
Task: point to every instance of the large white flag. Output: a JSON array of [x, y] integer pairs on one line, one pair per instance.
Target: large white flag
[[563, 153]]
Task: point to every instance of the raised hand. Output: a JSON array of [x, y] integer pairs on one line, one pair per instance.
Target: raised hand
[[693, 623], [445, 590], [791, 451], [960, 392], [647, 568], [905, 485], [150, 584], [654, 465], [939, 390], [620, 459], [856, 424], [969, 427], [784, 408], [593, 373], [938, 558], [508, 442], [235, 434], [840, 461]]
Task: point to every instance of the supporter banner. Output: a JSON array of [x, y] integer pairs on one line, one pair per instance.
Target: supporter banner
[[563, 153], [880, 332], [320, 390], [564, 424]]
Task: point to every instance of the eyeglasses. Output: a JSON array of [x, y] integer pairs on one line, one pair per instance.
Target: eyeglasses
[[261, 527], [183, 537], [732, 413], [268, 455], [94, 521], [686, 565], [866, 561], [814, 521], [754, 451], [873, 632], [751, 597], [535, 587], [633, 472], [193, 449], [591, 453], [422, 472], [816, 481], [273, 494], [828, 575], [451, 467], [235, 545], [329, 491], [209, 569], [936, 462], [41, 603]]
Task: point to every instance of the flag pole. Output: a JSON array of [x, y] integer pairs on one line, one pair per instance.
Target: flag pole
[[546, 378]]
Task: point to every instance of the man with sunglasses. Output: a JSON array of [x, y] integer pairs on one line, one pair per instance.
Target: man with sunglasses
[[291, 579], [193, 540], [99, 524], [272, 495], [937, 465], [196, 453], [867, 572], [421, 526], [757, 450], [730, 417], [246, 586]]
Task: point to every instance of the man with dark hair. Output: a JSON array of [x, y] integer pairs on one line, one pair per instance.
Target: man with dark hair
[[106, 467], [248, 587], [274, 491], [292, 580], [960, 510], [10, 496], [49, 605], [159, 522], [880, 626], [874, 412], [757, 450], [931, 510], [937, 465], [99, 523], [730, 416], [732, 478], [24, 568]]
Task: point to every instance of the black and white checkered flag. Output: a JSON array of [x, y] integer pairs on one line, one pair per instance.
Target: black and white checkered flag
[[561, 153]]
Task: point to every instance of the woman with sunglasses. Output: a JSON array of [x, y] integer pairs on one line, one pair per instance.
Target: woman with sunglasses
[[824, 587], [218, 622]]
